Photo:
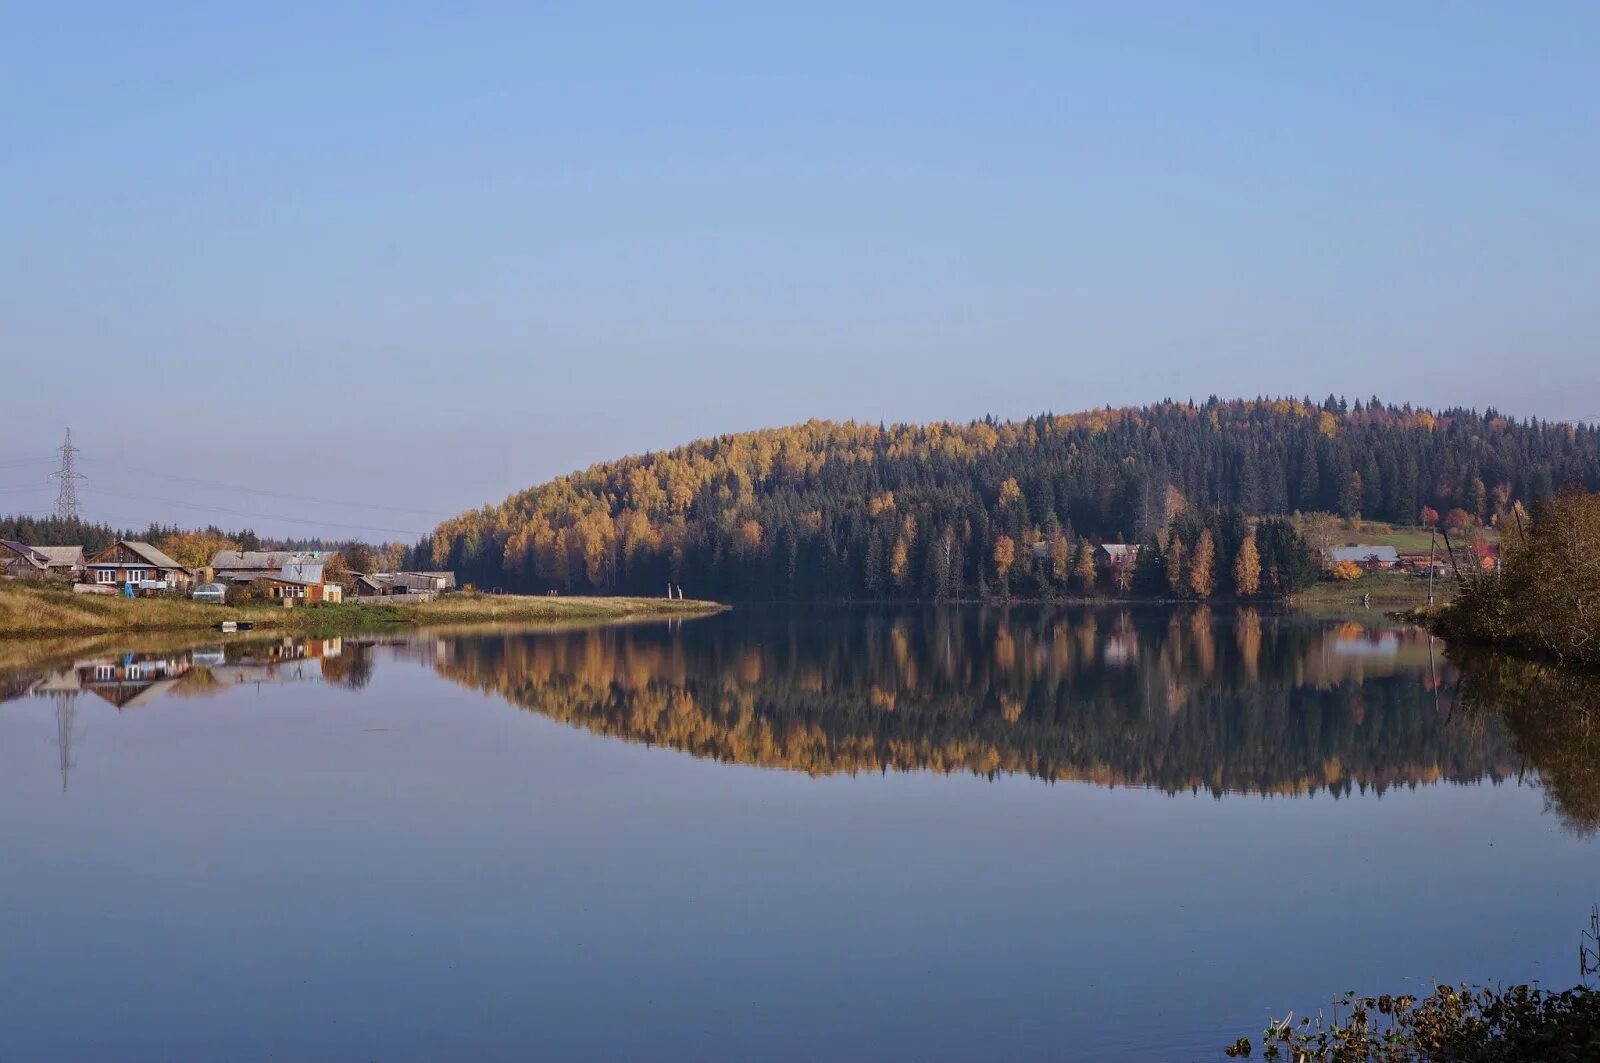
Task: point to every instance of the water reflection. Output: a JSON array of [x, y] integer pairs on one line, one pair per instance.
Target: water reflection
[[129, 679], [1195, 700], [1181, 700], [1553, 717]]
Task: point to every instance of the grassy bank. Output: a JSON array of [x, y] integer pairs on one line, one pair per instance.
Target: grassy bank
[[1386, 591], [29, 611]]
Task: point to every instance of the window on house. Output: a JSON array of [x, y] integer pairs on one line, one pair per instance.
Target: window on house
[[105, 672], [136, 574], [105, 575]]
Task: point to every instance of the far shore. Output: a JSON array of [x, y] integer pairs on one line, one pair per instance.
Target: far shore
[[35, 611]]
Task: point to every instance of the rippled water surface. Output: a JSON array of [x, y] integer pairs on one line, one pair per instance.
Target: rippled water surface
[[955, 834]]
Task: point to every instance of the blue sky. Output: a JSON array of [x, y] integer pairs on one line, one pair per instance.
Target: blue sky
[[419, 256]]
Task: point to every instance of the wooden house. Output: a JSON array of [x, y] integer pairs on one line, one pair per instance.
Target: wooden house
[[65, 561], [383, 584], [246, 566], [126, 561], [1118, 558], [21, 561], [302, 581]]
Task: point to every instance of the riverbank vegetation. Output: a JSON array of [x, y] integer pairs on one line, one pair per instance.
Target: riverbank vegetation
[[1452, 1024], [1380, 591], [835, 511], [1544, 599], [30, 610]]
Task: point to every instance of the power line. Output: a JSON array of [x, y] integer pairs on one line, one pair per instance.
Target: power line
[[68, 474], [278, 494], [259, 516]]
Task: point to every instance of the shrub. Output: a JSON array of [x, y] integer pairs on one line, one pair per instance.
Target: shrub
[[1347, 570], [1458, 1024], [1546, 596]]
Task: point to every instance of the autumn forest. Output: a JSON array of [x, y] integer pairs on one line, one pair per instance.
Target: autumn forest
[[937, 512]]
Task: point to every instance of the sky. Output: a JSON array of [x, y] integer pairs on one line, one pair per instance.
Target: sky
[[346, 269]]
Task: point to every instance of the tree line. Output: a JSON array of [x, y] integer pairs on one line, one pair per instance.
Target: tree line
[[829, 510], [195, 547]]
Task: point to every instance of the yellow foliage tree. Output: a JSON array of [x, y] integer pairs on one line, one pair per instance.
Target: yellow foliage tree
[[1202, 566], [1347, 570], [1247, 569], [1010, 493], [1085, 573], [195, 549], [1005, 554]]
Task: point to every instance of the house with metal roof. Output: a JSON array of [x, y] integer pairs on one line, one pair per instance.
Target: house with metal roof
[[244, 566], [301, 581], [1371, 558]]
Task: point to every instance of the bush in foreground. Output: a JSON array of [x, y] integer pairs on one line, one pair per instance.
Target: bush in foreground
[[1453, 1024]]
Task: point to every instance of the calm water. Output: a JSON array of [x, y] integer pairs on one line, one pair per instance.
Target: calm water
[[960, 834]]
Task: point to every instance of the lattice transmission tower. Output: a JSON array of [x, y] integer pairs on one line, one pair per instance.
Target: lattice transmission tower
[[68, 474]]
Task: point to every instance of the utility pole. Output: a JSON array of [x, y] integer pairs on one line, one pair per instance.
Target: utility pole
[[68, 474], [1433, 538]]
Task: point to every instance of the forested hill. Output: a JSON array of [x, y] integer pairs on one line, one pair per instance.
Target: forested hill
[[839, 510]]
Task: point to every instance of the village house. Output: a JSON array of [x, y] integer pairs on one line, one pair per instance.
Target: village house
[[126, 561], [65, 561], [1421, 564], [1118, 558], [1369, 558], [20, 561], [301, 581], [247, 566], [382, 584]]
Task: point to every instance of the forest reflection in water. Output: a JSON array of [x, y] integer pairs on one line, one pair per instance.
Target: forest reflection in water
[[1176, 699], [1181, 700]]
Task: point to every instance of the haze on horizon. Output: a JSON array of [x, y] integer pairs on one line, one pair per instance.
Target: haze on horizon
[[413, 260]]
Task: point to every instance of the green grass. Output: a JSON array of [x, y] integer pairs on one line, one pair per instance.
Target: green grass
[[1386, 591], [1404, 539], [29, 610]]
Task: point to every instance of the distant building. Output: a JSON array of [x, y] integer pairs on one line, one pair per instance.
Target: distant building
[[67, 561], [1370, 558], [1119, 553], [247, 566], [21, 561], [127, 561], [1118, 558], [301, 581], [384, 584]]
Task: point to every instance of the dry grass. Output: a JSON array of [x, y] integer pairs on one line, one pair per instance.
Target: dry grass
[[28, 611]]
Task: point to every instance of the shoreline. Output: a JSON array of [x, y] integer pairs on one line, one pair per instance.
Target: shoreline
[[28, 612]]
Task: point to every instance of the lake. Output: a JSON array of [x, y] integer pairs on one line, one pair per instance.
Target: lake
[[785, 834]]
